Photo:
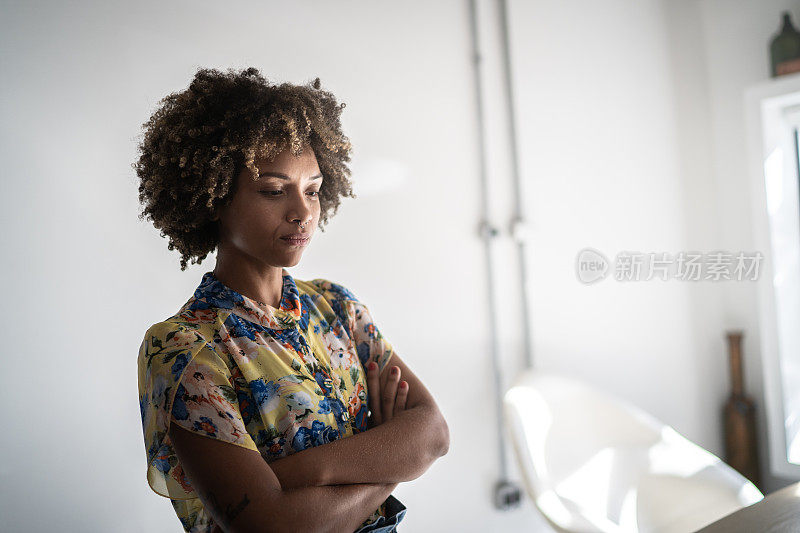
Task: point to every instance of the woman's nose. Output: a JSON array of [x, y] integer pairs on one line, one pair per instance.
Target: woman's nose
[[301, 209]]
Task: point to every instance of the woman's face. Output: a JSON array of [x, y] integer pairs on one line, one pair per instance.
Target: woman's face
[[262, 213]]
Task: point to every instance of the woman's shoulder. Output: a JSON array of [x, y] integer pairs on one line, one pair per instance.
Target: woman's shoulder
[[330, 290], [183, 329], [173, 341]]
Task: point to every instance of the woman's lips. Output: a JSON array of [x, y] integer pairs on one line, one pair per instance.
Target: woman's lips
[[295, 242]]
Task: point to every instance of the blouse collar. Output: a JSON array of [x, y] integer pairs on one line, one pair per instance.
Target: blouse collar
[[216, 294]]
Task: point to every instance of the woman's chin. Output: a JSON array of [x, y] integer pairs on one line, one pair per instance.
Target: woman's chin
[[291, 259]]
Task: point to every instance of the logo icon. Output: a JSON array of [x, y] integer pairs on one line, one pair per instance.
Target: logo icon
[[591, 266]]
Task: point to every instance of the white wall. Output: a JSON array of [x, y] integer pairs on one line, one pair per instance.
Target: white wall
[[632, 135], [617, 119], [600, 123]]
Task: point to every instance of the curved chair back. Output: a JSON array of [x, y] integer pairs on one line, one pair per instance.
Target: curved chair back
[[594, 463]]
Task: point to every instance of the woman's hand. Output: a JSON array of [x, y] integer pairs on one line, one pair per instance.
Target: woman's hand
[[387, 396]]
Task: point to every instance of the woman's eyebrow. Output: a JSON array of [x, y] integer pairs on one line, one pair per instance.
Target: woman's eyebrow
[[284, 176]]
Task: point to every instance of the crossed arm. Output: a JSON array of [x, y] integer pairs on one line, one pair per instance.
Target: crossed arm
[[400, 449], [333, 487]]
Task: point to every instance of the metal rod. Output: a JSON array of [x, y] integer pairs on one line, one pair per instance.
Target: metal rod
[[518, 224], [488, 234]]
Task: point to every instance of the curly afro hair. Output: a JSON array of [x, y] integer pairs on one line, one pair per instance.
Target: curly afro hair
[[199, 140]]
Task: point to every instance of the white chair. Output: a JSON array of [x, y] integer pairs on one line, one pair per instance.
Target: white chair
[[593, 463]]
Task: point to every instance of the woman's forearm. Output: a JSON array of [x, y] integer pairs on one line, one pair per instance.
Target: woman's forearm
[[333, 508], [398, 450]]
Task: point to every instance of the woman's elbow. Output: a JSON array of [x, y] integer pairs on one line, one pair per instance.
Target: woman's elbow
[[438, 439], [444, 437]]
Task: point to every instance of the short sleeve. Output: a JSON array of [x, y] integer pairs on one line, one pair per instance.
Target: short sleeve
[[183, 380], [370, 344]]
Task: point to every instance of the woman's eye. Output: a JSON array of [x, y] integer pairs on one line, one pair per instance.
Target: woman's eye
[[276, 193]]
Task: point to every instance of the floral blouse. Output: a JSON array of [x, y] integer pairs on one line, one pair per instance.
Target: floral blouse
[[274, 380]]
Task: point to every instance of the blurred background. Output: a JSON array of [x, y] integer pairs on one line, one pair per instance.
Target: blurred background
[[630, 135]]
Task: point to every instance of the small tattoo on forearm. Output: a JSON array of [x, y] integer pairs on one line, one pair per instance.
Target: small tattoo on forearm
[[230, 514]]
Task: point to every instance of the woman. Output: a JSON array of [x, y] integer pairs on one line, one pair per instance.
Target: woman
[[241, 387]]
